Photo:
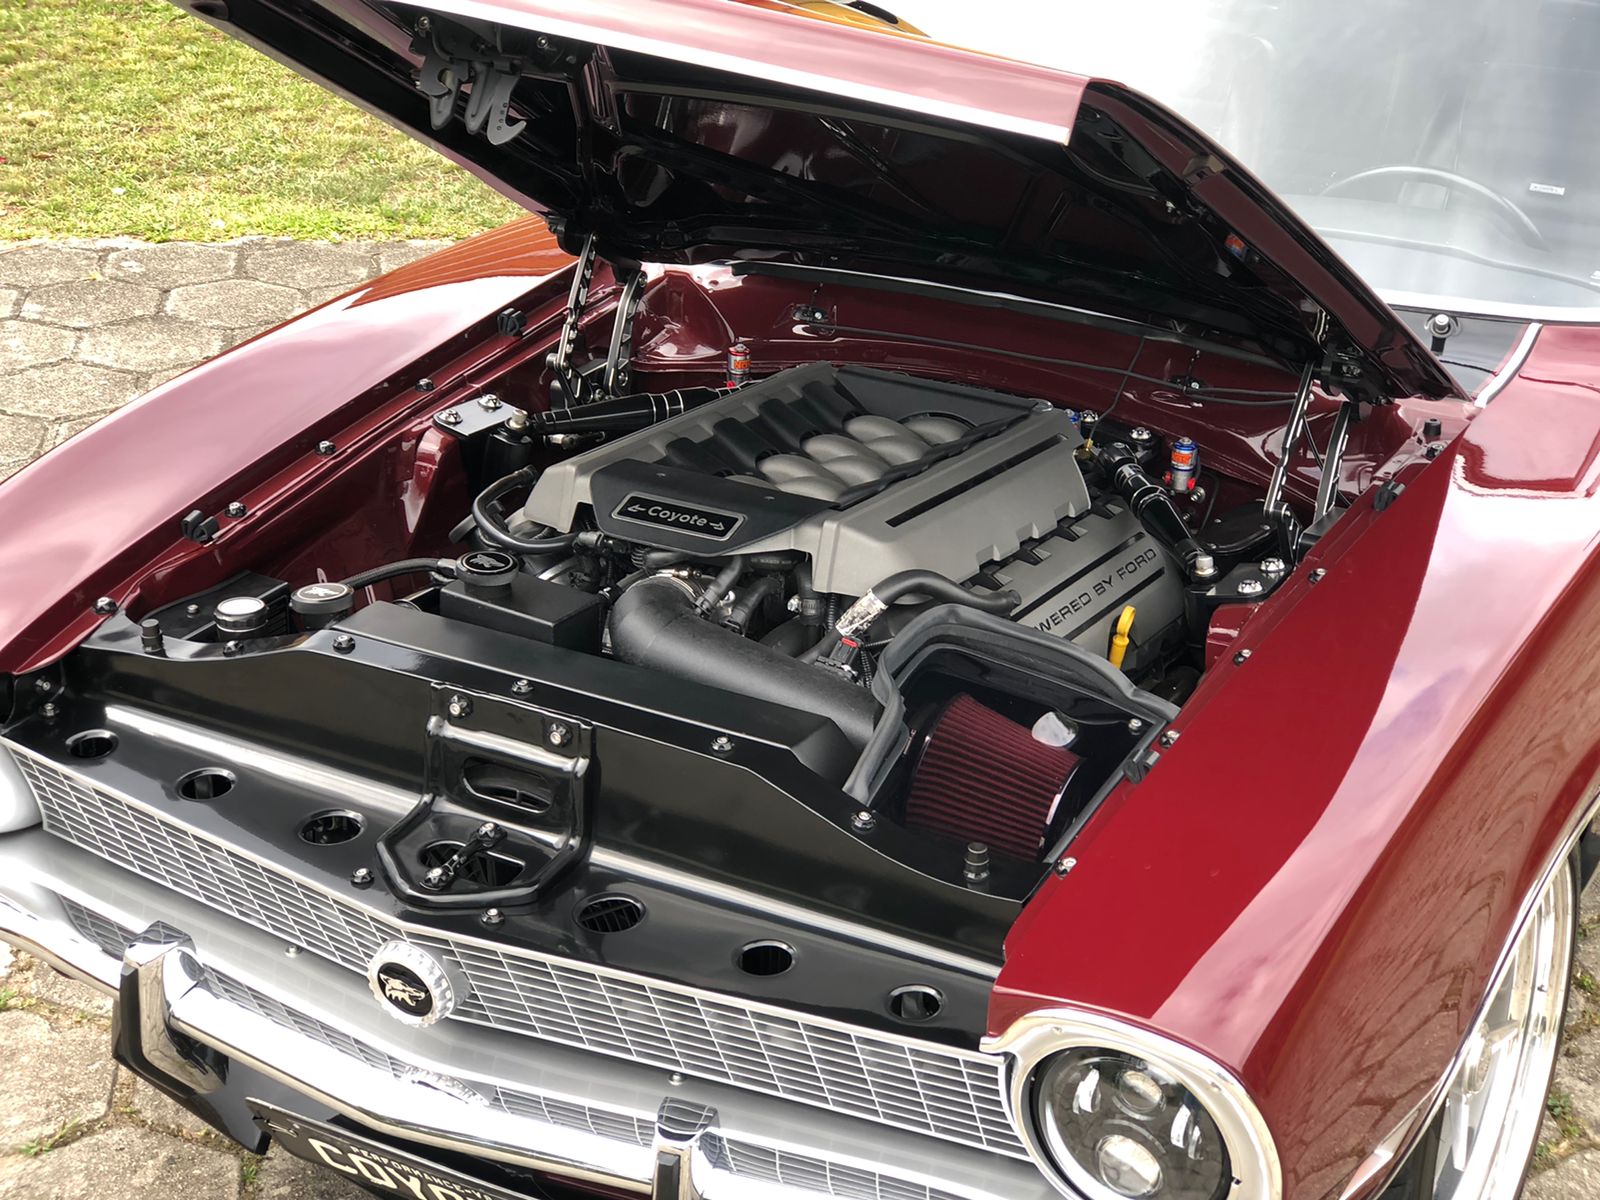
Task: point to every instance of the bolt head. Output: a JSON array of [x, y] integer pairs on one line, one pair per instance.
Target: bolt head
[[488, 402], [675, 1079], [1141, 434], [326, 448], [361, 876], [1273, 566], [232, 647], [459, 706], [436, 878], [236, 508], [344, 643], [1169, 739], [1241, 658], [1251, 587], [450, 417], [493, 917], [1135, 725], [722, 743], [49, 710], [292, 951], [559, 734], [43, 685], [522, 687], [864, 819], [192, 610], [105, 606], [1318, 575], [1064, 867], [487, 830], [424, 385]]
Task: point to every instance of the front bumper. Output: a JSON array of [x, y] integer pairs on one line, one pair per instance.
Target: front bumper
[[200, 991]]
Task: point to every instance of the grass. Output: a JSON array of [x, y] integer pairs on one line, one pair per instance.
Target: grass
[[43, 1145], [128, 117]]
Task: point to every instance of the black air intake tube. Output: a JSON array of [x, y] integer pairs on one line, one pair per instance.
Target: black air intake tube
[[654, 624], [1152, 504], [625, 413]]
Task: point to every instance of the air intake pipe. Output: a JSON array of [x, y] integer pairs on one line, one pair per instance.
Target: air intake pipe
[[654, 624], [625, 413], [1153, 506]]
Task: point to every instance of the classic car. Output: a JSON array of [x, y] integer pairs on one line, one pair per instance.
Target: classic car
[[913, 633]]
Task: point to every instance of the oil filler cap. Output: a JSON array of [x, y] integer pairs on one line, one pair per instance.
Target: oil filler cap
[[241, 615], [320, 604], [487, 569]]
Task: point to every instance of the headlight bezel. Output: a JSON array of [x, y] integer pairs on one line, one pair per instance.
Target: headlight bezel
[[1033, 1040]]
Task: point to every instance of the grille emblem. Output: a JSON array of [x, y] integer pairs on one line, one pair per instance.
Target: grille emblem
[[412, 985]]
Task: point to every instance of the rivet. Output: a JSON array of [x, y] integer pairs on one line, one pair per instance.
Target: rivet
[[192, 610], [292, 951], [722, 743], [105, 606], [361, 877], [864, 819], [675, 1079], [344, 643]]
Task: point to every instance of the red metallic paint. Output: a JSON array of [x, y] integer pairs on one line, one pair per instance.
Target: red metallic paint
[[1314, 883]]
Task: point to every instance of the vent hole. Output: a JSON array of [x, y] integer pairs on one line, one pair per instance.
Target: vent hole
[[610, 913], [766, 958], [92, 743], [208, 783], [915, 1003], [493, 782], [482, 868], [331, 828]]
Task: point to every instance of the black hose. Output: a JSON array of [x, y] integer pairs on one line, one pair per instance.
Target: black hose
[[406, 566], [490, 529], [747, 605], [653, 624], [719, 587], [925, 583]]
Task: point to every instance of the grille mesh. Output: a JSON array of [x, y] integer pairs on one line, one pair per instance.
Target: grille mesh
[[931, 1090]]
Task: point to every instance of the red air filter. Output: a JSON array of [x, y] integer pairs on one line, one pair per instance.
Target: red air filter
[[983, 778]]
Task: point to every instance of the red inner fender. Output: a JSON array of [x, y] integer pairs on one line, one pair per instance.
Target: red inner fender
[[984, 778]]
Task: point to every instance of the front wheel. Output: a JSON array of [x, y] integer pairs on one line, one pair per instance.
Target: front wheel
[[1480, 1144]]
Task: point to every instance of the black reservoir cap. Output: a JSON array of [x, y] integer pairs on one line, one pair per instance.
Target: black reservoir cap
[[320, 604]]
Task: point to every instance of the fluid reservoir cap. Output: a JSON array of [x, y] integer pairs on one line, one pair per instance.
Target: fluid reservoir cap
[[487, 568], [328, 599], [241, 614]]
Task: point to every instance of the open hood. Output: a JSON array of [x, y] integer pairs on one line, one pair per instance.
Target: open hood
[[682, 131]]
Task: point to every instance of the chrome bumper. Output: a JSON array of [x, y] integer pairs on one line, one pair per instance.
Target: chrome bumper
[[228, 989]]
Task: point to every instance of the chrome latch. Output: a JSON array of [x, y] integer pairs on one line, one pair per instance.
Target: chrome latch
[[680, 1124]]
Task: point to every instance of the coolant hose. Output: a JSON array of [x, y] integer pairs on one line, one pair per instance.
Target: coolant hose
[[860, 615], [492, 531], [406, 566], [654, 624]]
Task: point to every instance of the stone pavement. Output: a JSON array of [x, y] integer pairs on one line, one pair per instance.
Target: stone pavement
[[87, 326]]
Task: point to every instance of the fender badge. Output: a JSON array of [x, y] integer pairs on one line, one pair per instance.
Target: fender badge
[[412, 985]]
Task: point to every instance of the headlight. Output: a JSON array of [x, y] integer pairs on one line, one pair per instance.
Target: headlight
[[1121, 1128], [1114, 1111]]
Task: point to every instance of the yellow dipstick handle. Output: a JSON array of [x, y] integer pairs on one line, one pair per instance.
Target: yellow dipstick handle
[[1119, 640]]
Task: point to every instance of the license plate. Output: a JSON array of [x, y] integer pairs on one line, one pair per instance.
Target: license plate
[[374, 1166]]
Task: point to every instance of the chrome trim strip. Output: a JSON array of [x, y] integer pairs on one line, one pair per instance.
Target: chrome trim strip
[[1463, 306], [1403, 1139], [1507, 373]]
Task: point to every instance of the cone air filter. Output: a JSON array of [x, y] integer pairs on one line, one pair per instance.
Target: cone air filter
[[984, 778]]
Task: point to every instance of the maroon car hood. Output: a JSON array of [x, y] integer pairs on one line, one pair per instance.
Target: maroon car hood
[[698, 130]]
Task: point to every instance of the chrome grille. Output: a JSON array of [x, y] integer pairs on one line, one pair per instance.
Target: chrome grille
[[934, 1090]]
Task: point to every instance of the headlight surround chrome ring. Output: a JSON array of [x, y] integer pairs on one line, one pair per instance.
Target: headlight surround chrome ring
[[1037, 1039]]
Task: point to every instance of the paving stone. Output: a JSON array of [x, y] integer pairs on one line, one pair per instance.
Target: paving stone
[[1578, 1076], [54, 1077], [398, 254], [9, 299], [309, 264], [66, 390], [24, 344], [21, 438], [89, 302], [172, 264], [234, 303], [38, 266], [160, 1110], [125, 1163], [1575, 1178], [149, 344], [285, 1177], [8, 961], [51, 986]]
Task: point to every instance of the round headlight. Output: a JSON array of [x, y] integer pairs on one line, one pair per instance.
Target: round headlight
[[1120, 1128]]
